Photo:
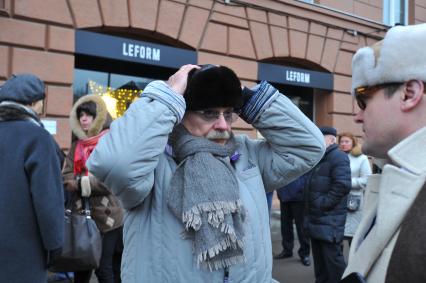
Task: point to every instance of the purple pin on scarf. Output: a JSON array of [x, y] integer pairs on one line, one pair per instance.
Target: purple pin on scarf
[[234, 157]]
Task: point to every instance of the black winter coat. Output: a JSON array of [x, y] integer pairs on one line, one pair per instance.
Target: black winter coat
[[31, 198], [326, 194]]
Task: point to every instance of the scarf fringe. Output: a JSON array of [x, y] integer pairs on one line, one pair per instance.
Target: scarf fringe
[[209, 254], [216, 213], [222, 263]]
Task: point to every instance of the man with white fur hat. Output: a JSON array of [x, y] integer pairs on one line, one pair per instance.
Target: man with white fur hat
[[389, 84]]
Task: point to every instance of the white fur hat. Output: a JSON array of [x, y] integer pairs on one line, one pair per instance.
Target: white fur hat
[[399, 57]]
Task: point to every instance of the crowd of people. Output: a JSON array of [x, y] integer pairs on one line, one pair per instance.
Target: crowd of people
[[177, 197]]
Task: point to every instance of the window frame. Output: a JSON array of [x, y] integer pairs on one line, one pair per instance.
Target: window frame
[[389, 12]]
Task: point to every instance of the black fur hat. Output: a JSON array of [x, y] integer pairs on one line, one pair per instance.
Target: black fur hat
[[213, 86]]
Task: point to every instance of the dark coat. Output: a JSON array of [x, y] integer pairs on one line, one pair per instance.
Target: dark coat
[[293, 192], [31, 198], [326, 193], [409, 254]]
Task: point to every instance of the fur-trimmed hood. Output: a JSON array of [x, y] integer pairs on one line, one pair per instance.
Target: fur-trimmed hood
[[102, 121]]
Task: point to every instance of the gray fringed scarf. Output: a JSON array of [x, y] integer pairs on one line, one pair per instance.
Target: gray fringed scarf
[[204, 195]]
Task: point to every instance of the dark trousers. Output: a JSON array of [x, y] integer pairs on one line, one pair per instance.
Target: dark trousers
[[109, 266], [329, 263], [293, 211]]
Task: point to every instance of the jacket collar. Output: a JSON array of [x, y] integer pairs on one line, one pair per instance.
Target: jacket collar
[[331, 148], [12, 111], [410, 153]]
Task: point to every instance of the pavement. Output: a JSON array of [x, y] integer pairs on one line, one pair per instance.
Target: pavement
[[288, 270]]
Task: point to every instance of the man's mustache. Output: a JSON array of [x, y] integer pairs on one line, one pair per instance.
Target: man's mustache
[[218, 135]]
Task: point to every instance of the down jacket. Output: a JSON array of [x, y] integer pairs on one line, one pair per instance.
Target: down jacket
[[132, 161], [105, 208], [327, 193]]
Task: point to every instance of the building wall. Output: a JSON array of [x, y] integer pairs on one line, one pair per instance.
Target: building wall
[[37, 36], [370, 9], [419, 8]]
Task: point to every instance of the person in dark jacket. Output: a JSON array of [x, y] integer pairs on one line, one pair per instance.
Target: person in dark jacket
[[31, 196], [292, 208], [327, 189]]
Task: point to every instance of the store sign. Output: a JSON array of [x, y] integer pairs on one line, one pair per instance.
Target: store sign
[[295, 76], [124, 49], [141, 51]]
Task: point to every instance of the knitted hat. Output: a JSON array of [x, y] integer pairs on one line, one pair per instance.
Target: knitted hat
[[328, 131], [23, 88], [213, 86], [399, 57]]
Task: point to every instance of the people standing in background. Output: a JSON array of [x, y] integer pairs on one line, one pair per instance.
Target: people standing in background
[[360, 170], [89, 121], [292, 208], [327, 192], [31, 194]]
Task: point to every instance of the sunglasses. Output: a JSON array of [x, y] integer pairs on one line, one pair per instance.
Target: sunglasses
[[363, 93], [210, 115]]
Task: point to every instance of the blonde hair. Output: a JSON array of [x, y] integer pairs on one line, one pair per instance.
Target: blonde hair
[[348, 135]]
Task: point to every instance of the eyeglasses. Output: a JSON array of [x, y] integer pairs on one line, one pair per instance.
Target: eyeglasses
[[210, 115], [363, 93]]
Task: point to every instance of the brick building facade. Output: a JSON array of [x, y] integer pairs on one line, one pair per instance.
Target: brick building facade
[[309, 39]]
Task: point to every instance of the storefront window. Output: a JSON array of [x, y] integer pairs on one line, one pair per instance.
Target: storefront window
[[117, 90], [302, 97], [119, 68], [82, 79], [395, 12]]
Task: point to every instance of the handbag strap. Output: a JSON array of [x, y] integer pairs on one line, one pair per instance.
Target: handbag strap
[[86, 206]]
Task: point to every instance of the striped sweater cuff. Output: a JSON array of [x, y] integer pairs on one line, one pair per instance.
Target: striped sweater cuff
[[160, 91], [259, 99]]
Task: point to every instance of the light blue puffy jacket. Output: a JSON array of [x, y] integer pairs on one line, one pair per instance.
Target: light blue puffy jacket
[[131, 160]]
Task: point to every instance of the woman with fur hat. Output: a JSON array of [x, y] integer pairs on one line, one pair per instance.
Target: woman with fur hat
[[360, 170], [89, 121]]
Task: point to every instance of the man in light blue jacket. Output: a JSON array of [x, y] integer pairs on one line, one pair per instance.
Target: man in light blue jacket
[[194, 192]]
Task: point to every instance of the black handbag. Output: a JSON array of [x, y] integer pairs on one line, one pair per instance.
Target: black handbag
[[82, 247], [354, 202]]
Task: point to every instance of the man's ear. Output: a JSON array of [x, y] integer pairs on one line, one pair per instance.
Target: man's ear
[[411, 94]]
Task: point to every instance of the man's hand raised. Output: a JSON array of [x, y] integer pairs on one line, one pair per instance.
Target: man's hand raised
[[178, 80]]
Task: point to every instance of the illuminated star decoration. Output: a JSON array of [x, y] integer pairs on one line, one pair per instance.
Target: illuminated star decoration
[[116, 100]]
